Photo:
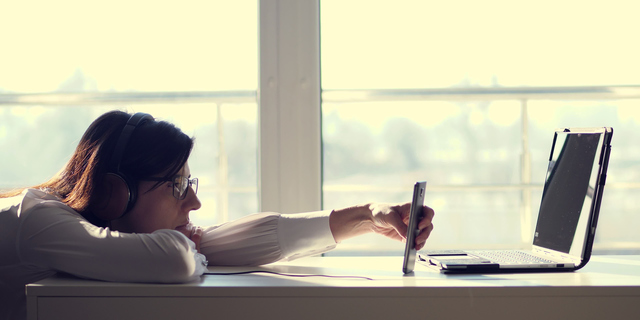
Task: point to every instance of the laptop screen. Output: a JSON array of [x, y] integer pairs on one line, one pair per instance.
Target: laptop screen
[[569, 192]]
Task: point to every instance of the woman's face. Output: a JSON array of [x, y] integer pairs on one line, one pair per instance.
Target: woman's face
[[158, 209]]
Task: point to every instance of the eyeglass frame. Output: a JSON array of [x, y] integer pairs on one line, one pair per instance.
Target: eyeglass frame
[[190, 183]]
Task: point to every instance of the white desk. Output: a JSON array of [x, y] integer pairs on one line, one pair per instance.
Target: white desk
[[609, 286]]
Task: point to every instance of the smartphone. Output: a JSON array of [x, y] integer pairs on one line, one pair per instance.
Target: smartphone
[[415, 215]]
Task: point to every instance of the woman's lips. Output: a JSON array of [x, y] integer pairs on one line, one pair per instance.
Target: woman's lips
[[185, 226]]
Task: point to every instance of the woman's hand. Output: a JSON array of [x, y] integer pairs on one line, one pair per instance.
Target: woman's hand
[[193, 232], [392, 221], [385, 219]]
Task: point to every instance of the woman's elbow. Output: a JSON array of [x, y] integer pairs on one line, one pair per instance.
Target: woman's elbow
[[180, 268]]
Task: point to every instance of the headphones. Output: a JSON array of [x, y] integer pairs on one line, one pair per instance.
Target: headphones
[[118, 192]]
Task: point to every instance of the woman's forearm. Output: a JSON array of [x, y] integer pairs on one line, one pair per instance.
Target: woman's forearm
[[350, 222]]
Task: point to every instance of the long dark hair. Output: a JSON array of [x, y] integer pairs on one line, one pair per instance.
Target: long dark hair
[[155, 148]]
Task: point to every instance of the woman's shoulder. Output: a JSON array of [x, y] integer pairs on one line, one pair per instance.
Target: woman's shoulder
[[39, 194], [31, 200]]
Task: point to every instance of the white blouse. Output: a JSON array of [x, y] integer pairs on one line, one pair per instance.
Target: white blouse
[[39, 236]]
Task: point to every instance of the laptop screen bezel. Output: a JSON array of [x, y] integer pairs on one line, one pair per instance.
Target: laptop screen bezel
[[602, 158]]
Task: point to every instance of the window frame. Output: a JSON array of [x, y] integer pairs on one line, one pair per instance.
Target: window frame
[[289, 100]]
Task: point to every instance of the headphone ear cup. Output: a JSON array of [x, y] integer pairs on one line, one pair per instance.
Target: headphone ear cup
[[112, 198]]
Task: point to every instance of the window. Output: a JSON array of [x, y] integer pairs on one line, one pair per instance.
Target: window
[[466, 95], [193, 63], [463, 94]]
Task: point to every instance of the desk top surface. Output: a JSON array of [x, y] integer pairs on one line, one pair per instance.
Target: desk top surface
[[348, 273]]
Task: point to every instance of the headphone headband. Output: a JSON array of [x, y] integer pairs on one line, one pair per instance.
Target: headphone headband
[[118, 152]]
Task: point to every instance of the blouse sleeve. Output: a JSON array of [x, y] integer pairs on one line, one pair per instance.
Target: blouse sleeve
[[268, 237], [52, 237]]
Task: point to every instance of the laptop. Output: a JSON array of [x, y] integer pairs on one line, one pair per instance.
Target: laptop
[[567, 219]]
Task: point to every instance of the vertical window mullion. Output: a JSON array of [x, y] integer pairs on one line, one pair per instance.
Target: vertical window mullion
[[289, 98], [526, 217]]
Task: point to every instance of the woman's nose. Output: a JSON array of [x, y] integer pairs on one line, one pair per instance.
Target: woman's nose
[[192, 200]]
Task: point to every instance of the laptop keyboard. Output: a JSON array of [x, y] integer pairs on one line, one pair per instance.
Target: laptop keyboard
[[511, 257]]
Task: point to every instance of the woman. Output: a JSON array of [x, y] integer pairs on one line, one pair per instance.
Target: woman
[[119, 211]]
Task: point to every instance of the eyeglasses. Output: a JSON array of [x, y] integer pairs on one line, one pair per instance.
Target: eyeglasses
[[181, 185]]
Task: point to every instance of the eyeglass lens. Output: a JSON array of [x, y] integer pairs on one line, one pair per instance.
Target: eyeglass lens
[[182, 184]]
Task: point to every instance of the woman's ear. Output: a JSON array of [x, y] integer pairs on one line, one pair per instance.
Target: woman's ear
[[111, 198]]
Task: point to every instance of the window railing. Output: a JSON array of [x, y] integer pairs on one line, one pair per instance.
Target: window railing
[[219, 98], [523, 95], [110, 98], [484, 93]]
